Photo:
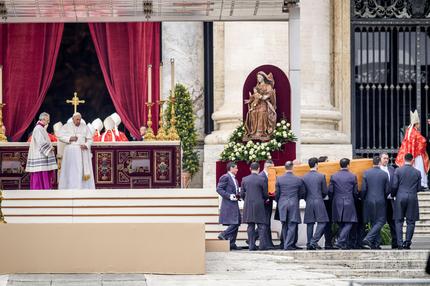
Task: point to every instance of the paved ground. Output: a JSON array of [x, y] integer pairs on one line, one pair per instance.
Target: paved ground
[[235, 268]]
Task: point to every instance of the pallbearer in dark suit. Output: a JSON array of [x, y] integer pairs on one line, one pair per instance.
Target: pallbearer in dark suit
[[343, 189], [374, 190], [406, 184], [268, 205], [328, 234], [228, 189], [254, 192], [389, 202], [316, 189], [289, 190]]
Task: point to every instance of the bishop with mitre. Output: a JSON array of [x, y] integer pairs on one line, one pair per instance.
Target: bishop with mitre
[[416, 144], [76, 168]]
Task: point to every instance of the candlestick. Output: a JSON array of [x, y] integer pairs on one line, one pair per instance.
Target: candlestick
[[149, 135], [161, 135], [3, 137], [173, 133], [172, 74], [149, 83], [1, 213], [161, 82]]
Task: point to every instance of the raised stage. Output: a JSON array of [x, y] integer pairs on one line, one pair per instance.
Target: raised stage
[[120, 165], [171, 220]]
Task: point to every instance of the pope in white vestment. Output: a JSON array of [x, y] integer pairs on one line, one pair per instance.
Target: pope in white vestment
[[76, 168]]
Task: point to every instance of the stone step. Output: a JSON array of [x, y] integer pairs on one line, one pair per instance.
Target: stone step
[[379, 255], [368, 264], [376, 273]]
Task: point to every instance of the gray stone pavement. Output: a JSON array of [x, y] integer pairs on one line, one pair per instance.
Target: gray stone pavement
[[238, 268]]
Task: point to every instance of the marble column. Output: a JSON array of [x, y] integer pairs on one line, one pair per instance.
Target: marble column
[[320, 117], [239, 47], [183, 41]]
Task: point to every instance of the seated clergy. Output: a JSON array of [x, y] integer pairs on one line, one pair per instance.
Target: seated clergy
[[109, 134], [120, 136], [76, 169], [98, 126]]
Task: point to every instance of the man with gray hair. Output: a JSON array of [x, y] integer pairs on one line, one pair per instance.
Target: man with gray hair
[[76, 168], [41, 162]]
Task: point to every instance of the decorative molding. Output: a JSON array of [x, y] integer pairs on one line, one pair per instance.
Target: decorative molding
[[394, 9]]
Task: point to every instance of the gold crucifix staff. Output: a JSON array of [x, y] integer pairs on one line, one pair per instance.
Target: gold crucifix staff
[[75, 102]]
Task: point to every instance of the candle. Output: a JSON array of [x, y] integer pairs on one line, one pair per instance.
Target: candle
[[161, 82], [172, 63], [1, 84], [149, 83]]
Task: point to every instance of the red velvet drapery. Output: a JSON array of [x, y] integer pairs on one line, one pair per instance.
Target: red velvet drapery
[[28, 53], [124, 51]]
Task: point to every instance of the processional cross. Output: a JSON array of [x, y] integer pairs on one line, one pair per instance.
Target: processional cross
[[75, 101]]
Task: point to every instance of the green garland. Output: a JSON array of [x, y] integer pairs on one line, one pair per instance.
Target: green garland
[[185, 126], [237, 150]]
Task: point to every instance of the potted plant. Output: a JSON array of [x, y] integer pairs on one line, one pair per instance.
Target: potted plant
[[185, 126]]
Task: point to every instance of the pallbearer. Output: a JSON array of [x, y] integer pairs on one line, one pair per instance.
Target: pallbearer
[[315, 212], [374, 190], [343, 189], [254, 192]]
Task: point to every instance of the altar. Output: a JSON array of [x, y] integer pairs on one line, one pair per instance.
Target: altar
[[119, 165]]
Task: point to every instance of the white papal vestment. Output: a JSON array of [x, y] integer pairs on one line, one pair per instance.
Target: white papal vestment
[[76, 167]]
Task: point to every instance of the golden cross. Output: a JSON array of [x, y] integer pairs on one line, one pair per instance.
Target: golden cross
[[75, 101]]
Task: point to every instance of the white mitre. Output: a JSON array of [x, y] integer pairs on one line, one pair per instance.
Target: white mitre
[[98, 125], [117, 120], [92, 129], [57, 126], [109, 124]]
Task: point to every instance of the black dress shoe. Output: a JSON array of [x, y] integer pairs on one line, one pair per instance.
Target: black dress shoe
[[281, 246], [311, 247], [406, 245], [338, 246], [394, 246], [328, 247], [317, 247], [253, 248], [235, 247], [367, 244], [290, 248], [221, 237]]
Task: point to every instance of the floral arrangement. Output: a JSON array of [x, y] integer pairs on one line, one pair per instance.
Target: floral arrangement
[[238, 150]]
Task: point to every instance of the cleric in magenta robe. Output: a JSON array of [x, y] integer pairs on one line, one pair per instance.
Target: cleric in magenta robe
[[41, 161], [76, 167]]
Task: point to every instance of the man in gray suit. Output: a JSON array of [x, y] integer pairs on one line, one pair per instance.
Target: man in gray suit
[[268, 205], [289, 190], [343, 188], [254, 193], [228, 189], [389, 202], [406, 184], [374, 189], [316, 189]]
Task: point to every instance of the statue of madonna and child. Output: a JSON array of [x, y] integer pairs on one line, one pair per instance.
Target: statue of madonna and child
[[260, 119]]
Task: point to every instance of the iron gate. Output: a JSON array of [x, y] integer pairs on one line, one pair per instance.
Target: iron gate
[[390, 72]]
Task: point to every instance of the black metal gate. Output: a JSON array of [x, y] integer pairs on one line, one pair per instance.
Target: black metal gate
[[390, 72]]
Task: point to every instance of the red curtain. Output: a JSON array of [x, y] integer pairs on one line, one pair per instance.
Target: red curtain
[[124, 51], [28, 53]]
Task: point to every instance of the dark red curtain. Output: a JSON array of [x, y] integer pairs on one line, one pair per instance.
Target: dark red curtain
[[124, 51], [28, 53]]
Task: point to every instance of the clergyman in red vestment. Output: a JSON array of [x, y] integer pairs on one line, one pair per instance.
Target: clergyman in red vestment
[[416, 144]]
